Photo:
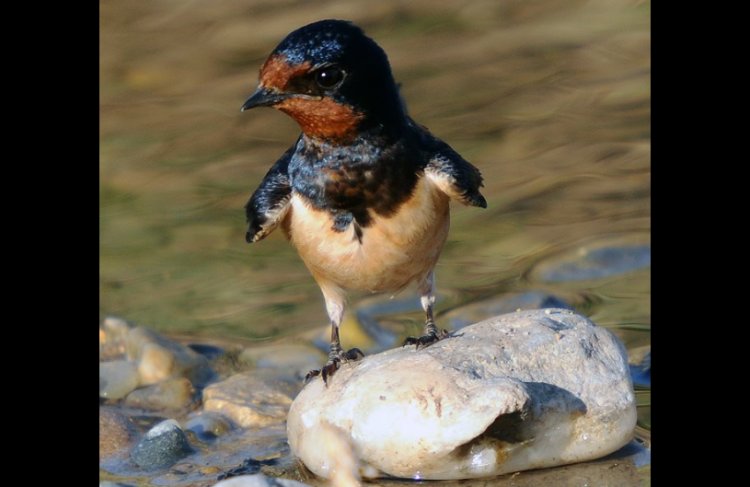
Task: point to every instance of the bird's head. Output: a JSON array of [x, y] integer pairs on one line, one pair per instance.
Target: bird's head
[[332, 79]]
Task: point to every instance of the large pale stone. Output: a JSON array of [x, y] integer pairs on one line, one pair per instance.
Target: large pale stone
[[247, 400], [519, 391]]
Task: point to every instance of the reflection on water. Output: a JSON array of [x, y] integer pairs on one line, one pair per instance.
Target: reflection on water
[[550, 99]]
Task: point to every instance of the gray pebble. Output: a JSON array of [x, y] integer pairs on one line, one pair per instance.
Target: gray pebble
[[161, 447], [208, 425], [598, 263], [117, 378]]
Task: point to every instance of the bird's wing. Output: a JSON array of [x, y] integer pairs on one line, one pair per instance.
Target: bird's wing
[[451, 173], [269, 203]]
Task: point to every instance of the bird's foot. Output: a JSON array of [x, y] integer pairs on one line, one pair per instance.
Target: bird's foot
[[333, 364], [432, 335]]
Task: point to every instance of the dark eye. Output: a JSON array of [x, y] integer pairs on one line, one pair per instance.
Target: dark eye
[[329, 77]]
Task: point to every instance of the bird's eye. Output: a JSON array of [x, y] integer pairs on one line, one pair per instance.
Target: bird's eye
[[329, 77]]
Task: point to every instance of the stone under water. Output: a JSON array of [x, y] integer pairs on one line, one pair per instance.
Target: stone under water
[[523, 390]]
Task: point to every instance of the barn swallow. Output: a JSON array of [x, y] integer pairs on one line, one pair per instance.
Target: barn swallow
[[363, 194]]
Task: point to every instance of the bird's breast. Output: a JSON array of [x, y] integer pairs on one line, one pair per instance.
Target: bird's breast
[[390, 252]]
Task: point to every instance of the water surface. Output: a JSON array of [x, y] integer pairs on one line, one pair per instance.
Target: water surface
[[550, 99]]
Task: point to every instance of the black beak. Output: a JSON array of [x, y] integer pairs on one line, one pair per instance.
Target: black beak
[[263, 97]]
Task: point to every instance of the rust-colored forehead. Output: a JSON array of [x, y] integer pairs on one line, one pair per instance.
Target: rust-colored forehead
[[277, 71]]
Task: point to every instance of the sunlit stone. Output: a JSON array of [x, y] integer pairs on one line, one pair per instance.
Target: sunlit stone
[[523, 390]]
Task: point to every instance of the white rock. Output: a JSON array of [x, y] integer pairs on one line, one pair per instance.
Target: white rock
[[258, 480], [519, 391]]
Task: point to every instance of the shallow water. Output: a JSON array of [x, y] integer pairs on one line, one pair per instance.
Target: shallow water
[[550, 99]]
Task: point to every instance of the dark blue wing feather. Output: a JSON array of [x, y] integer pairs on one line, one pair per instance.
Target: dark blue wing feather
[[270, 202], [453, 174]]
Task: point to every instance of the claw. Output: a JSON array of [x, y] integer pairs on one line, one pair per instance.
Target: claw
[[354, 354], [426, 340], [311, 374], [334, 363], [329, 369]]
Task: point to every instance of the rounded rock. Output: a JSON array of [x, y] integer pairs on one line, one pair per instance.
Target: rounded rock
[[247, 400], [208, 425], [161, 447], [117, 379], [169, 394], [159, 358], [258, 480], [524, 390]]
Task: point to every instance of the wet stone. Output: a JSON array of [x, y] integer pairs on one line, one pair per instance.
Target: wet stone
[[109, 483], [117, 379], [524, 390], [597, 263], [258, 480], [170, 394], [161, 447], [208, 425], [508, 303], [112, 335], [159, 358], [640, 366], [292, 361], [247, 400], [211, 352], [116, 432]]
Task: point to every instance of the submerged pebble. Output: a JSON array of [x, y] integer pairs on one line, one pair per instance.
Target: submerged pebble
[[640, 366], [519, 391], [594, 263], [161, 447], [208, 425], [293, 361], [170, 394], [117, 378], [247, 400]]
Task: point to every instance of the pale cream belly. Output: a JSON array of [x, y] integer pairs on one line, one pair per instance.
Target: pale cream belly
[[394, 251]]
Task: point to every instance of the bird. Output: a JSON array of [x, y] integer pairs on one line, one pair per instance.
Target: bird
[[363, 193]]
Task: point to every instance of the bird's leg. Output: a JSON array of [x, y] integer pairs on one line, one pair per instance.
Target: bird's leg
[[431, 332], [335, 306]]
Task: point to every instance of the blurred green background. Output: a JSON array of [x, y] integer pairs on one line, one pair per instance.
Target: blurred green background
[[550, 99]]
